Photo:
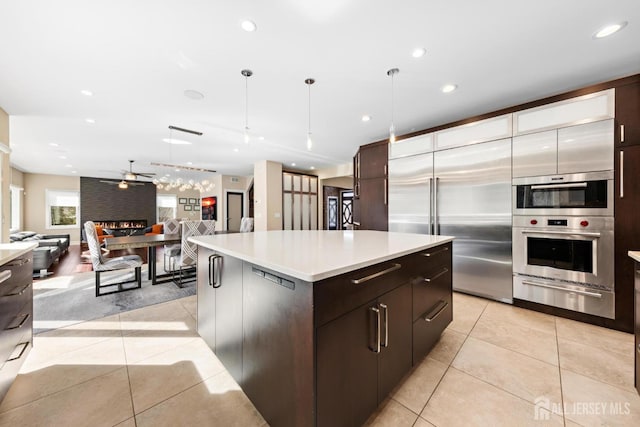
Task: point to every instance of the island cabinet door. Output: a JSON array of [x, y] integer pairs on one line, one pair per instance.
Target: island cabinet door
[[361, 357], [347, 368], [219, 294]]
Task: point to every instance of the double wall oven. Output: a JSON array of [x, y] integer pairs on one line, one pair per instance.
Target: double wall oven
[[563, 241]]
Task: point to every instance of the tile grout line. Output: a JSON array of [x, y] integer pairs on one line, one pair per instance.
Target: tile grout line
[[555, 323], [126, 364], [450, 363]]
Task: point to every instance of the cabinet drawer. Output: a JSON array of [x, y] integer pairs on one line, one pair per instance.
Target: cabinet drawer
[[16, 273], [430, 288], [429, 326], [433, 260], [16, 329], [9, 370], [338, 295]]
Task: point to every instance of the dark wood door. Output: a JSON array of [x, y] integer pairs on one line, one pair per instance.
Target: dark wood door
[[347, 369], [373, 204], [373, 161], [395, 357], [228, 312], [206, 300], [627, 230], [636, 352], [628, 114]]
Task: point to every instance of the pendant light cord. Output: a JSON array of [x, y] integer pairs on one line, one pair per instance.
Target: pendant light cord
[[246, 102], [309, 129]]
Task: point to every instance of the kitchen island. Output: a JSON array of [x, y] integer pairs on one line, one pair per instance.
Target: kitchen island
[[317, 327]]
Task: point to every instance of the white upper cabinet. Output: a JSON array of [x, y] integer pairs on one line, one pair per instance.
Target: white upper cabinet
[[586, 148], [535, 154], [410, 146], [582, 109], [471, 133]]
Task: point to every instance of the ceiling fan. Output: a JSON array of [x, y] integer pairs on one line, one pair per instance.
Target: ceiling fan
[[130, 175]]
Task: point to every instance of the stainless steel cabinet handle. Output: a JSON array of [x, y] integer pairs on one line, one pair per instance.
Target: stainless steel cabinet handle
[[5, 275], [18, 262], [18, 324], [559, 288], [428, 254], [17, 354], [385, 191], [621, 133], [19, 291], [212, 271], [436, 311], [552, 186], [563, 233], [430, 279], [385, 321], [621, 174], [385, 169], [376, 349], [378, 274]]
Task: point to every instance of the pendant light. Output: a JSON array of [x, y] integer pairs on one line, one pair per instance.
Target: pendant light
[[392, 129], [309, 82], [246, 74]]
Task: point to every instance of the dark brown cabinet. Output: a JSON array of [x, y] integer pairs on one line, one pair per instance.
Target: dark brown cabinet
[[628, 114], [627, 199], [16, 317], [371, 186]]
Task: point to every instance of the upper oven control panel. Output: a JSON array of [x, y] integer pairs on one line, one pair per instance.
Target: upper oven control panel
[[592, 223]]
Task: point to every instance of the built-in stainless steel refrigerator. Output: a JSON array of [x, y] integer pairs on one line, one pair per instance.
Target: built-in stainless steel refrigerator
[[463, 192]]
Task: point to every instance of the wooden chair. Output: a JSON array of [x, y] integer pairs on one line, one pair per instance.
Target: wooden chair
[[101, 263], [185, 263]]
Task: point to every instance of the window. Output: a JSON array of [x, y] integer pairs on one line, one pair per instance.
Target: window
[[15, 203], [63, 208], [167, 205]]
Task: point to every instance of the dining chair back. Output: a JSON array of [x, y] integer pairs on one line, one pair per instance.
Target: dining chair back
[[101, 263], [185, 263], [246, 224]]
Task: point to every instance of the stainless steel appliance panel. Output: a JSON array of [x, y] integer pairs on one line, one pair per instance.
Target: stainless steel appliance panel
[[598, 234], [560, 187], [563, 295], [535, 154], [473, 203], [410, 193], [587, 147]]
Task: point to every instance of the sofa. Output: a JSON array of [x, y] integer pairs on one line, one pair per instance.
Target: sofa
[[50, 247]]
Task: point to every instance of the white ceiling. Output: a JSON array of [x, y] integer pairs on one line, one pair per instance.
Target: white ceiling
[[138, 58]]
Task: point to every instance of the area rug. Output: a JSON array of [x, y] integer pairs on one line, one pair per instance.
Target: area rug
[[65, 300]]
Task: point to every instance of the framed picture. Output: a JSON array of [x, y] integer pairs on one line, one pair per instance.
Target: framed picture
[[188, 207], [193, 201], [196, 207], [182, 200]]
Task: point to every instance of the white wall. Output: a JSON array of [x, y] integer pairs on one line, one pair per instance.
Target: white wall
[[267, 188]]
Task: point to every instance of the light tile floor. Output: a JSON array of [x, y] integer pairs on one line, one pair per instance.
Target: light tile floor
[[494, 365]]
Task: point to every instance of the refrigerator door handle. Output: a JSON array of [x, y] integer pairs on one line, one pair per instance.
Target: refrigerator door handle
[[431, 230], [436, 225]]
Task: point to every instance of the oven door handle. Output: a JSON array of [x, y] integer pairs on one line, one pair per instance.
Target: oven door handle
[[553, 186], [559, 288], [563, 233]]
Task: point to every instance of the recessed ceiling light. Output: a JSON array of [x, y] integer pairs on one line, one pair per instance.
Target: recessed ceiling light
[[448, 88], [235, 150], [366, 118], [176, 141], [261, 138], [418, 52], [62, 157], [609, 29], [293, 164], [68, 166], [189, 163], [74, 171], [90, 121], [53, 144], [312, 167], [193, 94], [248, 26], [86, 92]]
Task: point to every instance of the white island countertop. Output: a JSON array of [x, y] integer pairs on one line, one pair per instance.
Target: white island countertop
[[9, 251], [315, 255], [635, 255]]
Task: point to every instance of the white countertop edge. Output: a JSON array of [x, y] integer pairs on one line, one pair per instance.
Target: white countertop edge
[[321, 275], [635, 255], [9, 251]]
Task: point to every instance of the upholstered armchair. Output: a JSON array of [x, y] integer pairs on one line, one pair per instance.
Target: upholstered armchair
[[100, 233], [154, 229], [102, 264]]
